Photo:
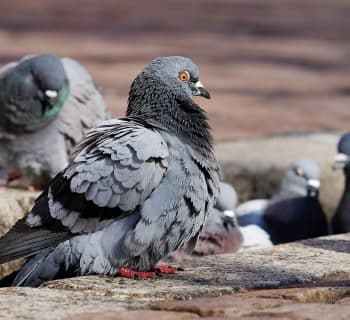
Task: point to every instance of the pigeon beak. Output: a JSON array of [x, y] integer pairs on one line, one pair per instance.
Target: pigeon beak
[[341, 161], [229, 214], [199, 90], [313, 187], [51, 93], [314, 184], [230, 217]]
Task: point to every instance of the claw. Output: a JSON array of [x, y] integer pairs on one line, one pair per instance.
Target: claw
[[160, 268]]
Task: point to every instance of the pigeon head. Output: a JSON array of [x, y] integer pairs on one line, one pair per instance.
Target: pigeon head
[[35, 90], [227, 200], [170, 77], [223, 213], [162, 95], [342, 159], [301, 179]]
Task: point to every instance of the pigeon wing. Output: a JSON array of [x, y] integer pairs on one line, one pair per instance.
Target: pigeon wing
[[116, 167]]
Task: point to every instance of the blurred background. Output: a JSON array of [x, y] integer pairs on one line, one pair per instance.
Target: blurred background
[[272, 66]]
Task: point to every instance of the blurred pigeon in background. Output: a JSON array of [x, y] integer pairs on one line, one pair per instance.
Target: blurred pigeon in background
[[254, 237], [46, 105], [341, 219], [137, 189], [295, 212]]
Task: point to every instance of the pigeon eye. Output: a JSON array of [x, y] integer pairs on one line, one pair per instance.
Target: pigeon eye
[[299, 172], [51, 93], [184, 76]]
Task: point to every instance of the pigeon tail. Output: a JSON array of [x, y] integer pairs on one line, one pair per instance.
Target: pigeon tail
[[23, 241], [48, 264]]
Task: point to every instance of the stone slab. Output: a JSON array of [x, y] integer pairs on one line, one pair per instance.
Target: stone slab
[[134, 315], [299, 303], [14, 203], [302, 263]]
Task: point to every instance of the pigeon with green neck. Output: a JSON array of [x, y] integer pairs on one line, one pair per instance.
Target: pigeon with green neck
[[46, 105]]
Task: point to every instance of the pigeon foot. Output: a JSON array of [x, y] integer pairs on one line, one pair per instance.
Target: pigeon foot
[[13, 175], [16, 180], [133, 274], [160, 268]]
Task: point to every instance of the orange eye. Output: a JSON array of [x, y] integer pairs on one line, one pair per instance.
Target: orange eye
[[184, 76]]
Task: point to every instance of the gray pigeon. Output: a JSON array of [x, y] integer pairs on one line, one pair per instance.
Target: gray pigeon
[[341, 219], [46, 105], [138, 187], [295, 212]]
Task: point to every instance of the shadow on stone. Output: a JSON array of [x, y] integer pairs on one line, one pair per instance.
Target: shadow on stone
[[329, 244]]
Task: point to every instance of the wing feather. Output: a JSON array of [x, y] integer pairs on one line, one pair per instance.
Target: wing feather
[[109, 177]]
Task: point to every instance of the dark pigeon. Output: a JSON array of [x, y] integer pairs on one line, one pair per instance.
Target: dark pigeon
[[137, 189], [47, 103], [341, 220], [295, 212]]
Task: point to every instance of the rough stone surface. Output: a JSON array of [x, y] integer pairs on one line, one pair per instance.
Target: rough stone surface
[[223, 306], [14, 203], [344, 301], [320, 264], [306, 312], [328, 293], [269, 304], [134, 315]]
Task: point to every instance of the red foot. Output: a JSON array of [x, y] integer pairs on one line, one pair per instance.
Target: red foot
[[132, 274], [36, 187], [13, 175], [160, 268]]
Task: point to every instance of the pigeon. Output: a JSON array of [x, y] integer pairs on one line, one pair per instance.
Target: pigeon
[[137, 188], [341, 220], [254, 238], [47, 103], [295, 212]]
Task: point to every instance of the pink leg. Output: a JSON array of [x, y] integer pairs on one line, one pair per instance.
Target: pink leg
[[132, 274]]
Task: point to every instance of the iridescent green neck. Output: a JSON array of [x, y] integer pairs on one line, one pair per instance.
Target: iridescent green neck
[[59, 104], [50, 113], [30, 122]]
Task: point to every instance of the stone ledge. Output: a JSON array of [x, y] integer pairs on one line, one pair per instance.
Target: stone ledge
[[262, 303], [320, 266], [134, 315]]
